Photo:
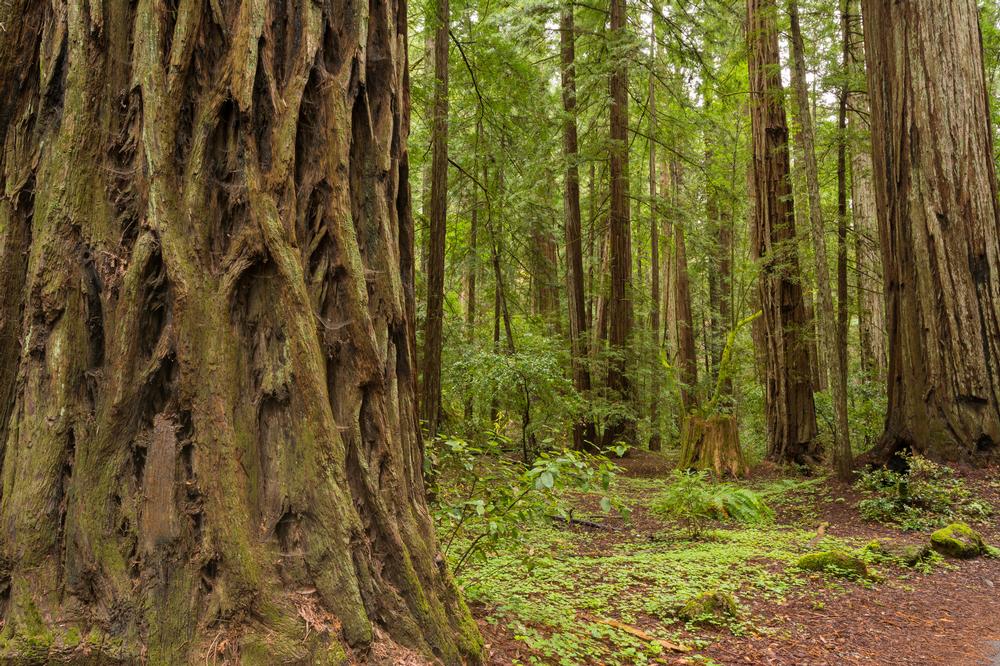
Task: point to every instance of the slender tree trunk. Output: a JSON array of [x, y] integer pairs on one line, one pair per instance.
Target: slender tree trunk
[[714, 329], [725, 267], [667, 277], [939, 225], [433, 326], [843, 298], [791, 415], [870, 287], [830, 341], [207, 371], [687, 357], [620, 313], [472, 268], [654, 251], [583, 432]]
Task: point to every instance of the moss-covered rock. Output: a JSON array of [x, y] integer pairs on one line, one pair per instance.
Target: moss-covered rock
[[713, 607], [911, 556], [958, 540], [834, 562], [878, 552]]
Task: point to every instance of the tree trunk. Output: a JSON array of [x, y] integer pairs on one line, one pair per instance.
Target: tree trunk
[[472, 268], [830, 340], [583, 432], [715, 334], [791, 416], [433, 325], [210, 422], [871, 294], [725, 268], [712, 443], [687, 357], [939, 226], [654, 252], [620, 308], [667, 308]]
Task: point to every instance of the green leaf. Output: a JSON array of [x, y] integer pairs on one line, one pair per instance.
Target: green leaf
[[545, 480]]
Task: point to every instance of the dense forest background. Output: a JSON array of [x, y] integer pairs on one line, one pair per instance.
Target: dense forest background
[[509, 339]]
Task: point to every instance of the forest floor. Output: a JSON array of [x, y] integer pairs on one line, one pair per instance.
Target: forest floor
[[610, 594]]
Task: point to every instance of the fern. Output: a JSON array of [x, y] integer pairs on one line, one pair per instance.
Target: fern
[[695, 501]]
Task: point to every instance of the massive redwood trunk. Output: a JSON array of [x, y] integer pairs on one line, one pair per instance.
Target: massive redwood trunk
[[207, 417], [939, 225], [791, 416]]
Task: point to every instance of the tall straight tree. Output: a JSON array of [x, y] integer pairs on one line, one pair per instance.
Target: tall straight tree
[[578, 326], [791, 415], [620, 306], [869, 285], [206, 336], [687, 356], [939, 225], [654, 247], [433, 325], [833, 339]]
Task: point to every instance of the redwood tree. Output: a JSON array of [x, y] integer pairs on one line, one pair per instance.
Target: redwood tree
[[583, 432], [434, 323], [791, 416], [620, 308], [939, 224], [207, 417]]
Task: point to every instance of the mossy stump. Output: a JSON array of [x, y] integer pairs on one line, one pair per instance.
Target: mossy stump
[[958, 540], [835, 562], [713, 607], [712, 443]]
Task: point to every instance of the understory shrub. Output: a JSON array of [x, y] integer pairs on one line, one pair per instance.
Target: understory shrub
[[694, 500], [925, 496], [482, 499]]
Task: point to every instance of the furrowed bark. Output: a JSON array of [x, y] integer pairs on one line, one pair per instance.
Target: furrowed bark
[[791, 416], [939, 225], [207, 366]]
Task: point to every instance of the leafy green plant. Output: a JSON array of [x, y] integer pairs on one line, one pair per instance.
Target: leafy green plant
[[482, 500], [926, 495], [695, 501]]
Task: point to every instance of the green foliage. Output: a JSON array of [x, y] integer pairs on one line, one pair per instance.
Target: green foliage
[[530, 385], [695, 501], [925, 496], [483, 500]]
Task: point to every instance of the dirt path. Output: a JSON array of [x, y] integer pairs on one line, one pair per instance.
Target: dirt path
[[950, 618]]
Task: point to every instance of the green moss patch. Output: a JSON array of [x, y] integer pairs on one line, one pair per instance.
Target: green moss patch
[[835, 562], [958, 540], [714, 607]]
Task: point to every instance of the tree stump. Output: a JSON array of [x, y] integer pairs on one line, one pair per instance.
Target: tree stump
[[712, 443]]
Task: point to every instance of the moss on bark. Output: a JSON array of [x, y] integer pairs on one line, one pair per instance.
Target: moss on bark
[[208, 429]]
